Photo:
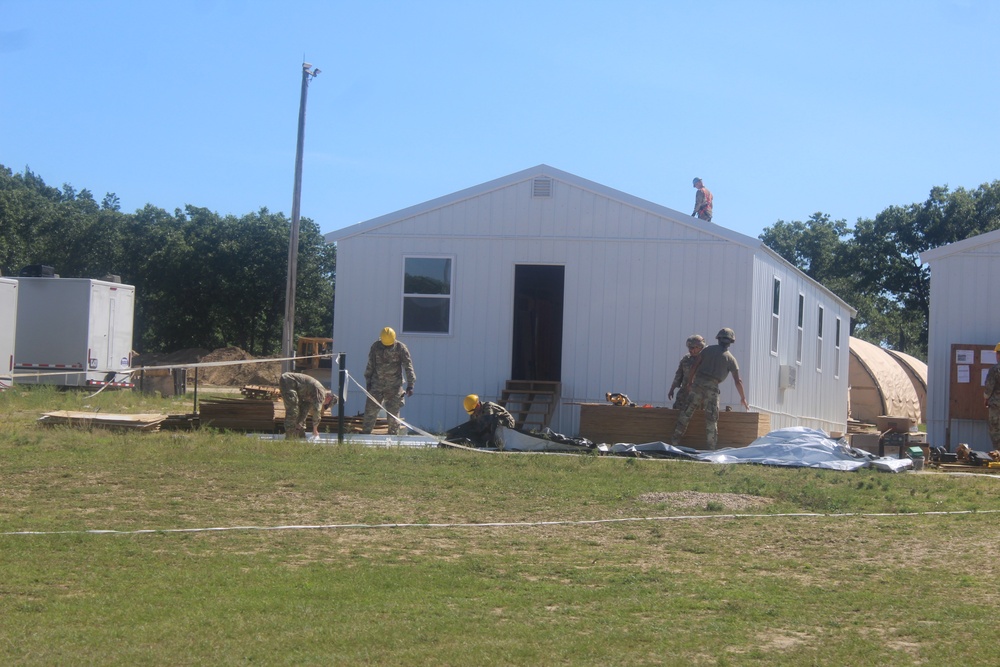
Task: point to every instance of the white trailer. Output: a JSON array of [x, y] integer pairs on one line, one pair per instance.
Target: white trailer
[[8, 325], [74, 332]]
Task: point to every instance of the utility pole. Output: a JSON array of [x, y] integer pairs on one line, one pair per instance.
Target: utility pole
[[288, 337]]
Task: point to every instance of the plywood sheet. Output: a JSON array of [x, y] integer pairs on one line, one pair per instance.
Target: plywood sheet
[[610, 424]]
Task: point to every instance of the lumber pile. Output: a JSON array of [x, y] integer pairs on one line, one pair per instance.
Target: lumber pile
[[266, 416], [330, 423], [137, 422], [238, 414], [604, 423]]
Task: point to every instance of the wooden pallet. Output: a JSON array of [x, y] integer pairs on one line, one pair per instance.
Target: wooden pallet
[[261, 391], [531, 402]]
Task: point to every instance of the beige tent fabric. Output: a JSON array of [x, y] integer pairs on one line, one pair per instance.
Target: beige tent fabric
[[880, 385], [917, 371]]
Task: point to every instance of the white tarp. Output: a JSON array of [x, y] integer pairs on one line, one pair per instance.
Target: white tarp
[[796, 446]]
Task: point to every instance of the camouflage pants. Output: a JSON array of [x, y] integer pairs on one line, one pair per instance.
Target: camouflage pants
[[993, 420], [706, 398], [392, 399], [295, 414], [682, 398]]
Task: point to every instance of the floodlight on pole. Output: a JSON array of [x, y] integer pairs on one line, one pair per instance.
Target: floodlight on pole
[[288, 336]]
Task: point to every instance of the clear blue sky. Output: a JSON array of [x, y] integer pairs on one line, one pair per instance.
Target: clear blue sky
[[784, 108]]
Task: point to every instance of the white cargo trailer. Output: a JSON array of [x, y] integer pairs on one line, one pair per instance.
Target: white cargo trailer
[[8, 325], [74, 332]]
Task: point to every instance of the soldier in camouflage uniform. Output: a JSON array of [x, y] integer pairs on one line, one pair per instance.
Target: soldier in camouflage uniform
[[695, 344], [714, 364], [485, 419], [303, 395], [388, 361], [991, 397]]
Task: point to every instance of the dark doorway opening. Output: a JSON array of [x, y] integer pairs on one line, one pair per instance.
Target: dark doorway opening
[[538, 322]]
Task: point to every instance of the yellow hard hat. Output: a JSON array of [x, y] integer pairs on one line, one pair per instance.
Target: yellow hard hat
[[470, 403], [997, 348], [388, 337]]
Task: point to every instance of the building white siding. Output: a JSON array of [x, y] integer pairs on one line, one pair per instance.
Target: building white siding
[[820, 397], [639, 279], [962, 274]]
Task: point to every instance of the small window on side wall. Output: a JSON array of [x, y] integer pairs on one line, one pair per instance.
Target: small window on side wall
[[819, 340], [775, 315], [427, 289]]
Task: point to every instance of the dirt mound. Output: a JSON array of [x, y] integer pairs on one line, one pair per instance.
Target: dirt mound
[[189, 355], [234, 375], [237, 375]]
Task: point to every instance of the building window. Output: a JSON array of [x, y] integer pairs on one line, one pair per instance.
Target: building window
[[427, 294], [819, 340], [798, 328], [775, 308], [836, 350]]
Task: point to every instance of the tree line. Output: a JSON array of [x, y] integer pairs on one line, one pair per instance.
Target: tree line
[[202, 279], [876, 266], [205, 280]]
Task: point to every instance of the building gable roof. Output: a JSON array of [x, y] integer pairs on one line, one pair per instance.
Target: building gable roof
[[543, 170], [964, 245]]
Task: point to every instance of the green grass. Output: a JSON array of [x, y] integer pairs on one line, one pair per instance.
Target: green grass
[[707, 589]]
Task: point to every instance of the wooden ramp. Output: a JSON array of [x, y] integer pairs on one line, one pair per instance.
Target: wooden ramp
[[531, 402]]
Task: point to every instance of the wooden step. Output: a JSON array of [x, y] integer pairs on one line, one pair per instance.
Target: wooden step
[[531, 402]]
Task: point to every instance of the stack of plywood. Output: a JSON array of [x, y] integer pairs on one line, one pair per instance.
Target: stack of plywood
[[238, 414], [266, 416], [138, 422], [603, 423], [330, 423]]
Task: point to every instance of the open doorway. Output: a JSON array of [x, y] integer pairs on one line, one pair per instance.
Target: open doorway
[[538, 322]]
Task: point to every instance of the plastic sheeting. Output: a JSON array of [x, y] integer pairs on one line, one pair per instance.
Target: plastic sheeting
[[796, 447]]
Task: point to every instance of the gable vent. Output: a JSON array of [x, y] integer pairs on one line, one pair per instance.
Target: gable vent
[[541, 187]]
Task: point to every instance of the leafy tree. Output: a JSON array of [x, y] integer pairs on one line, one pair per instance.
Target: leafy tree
[[876, 266], [888, 250]]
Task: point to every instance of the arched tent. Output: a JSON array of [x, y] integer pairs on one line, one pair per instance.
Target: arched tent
[[882, 384], [917, 370]]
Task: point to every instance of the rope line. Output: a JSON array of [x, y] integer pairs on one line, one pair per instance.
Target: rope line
[[138, 369], [437, 438], [505, 524]]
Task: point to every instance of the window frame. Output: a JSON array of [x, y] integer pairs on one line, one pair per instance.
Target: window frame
[[836, 347], [775, 314], [412, 296], [819, 338], [800, 328]]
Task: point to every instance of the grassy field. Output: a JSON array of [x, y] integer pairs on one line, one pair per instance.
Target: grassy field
[[231, 550]]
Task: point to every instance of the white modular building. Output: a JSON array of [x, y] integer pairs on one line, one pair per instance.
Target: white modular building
[[963, 329], [74, 332], [543, 275], [8, 327]]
